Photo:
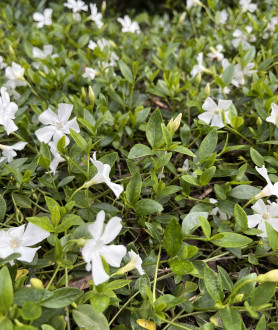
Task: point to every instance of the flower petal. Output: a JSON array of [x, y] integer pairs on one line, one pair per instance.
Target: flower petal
[[96, 228], [64, 111], [116, 188], [16, 231], [113, 254], [27, 253], [98, 272], [206, 116], [209, 104], [112, 230], [224, 104], [253, 220], [48, 117], [33, 235], [45, 134], [259, 207]]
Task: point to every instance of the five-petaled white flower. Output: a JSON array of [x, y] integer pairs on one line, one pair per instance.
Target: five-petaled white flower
[[223, 16], [2, 63], [95, 16], [56, 157], [8, 152], [264, 213], [57, 125], [42, 54], [191, 3], [101, 43], [43, 19], [243, 39], [136, 261], [102, 176], [198, 67], [270, 28], [270, 188], [213, 112], [89, 74], [273, 118], [16, 240], [97, 247], [128, 26], [15, 75], [216, 53], [246, 5], [7, 112], [76, 5]]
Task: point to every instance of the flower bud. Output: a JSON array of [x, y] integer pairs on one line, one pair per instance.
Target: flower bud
[[81, 242], [238, 298], [83, 93], [91, 96], [207, 90], [271, 276], [36, 283], [173, 125], [259, 122], [182, 17], [11, 50], [103, 7], [198, 78]]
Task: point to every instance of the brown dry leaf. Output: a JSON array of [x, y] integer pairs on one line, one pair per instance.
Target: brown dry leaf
[[81, 283]]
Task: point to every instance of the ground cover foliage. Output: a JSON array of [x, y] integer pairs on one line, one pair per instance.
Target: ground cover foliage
[[139, 166]]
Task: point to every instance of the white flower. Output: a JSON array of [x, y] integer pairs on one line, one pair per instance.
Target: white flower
[[216, 210], [89, 74], [128, 26], [56, 157], [43, 19], [270, 188], [76, 17], [185, 166], [7, 112], [95, 16], [274, 114], [198, 67], [102, 176], [15, 75], [2, 64], [243, 39], [223, 16], [57, 125], [101, 43], [213, 112], [191, 3], [97, 247], [8, 152], [76, 5], [136, 261], [16, 240], [239, 72], [264, 213], [42, 54], [246, 5], [269, 30], [216, 54]]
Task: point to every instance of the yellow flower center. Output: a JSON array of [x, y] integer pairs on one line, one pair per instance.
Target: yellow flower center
[[266, 216]]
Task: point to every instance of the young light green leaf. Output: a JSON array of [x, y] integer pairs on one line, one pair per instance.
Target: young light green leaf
[[172, 239], [213, 285], [208, 145], [154, 132], [133, 189], [240, 217]]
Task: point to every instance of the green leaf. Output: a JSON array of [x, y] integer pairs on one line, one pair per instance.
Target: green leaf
[[117, 284], [231, 319], [147, 206], [207, 175], [172, 239], [228, 74], [126, 72], [68, 221], [62, 298], [55, 215], [6, 291], [42, 222], [51, 203], [205, 226], [65, 181], [167, 135], [230, 240], [225, 279], [31, 311], [22, 201], [272, 236], [133, 189], [144, 282], [213, 285], [237, 122], [139, 150], [190, 179], [244, 191], [208, 145], [181, 266], [263, 293], [257, 158], [153, 231], [81, 142], [261, 325], [100, 302], [154, 132], [45, 156], [3, 208], [87, 317], [240, 217], [183, 150]]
